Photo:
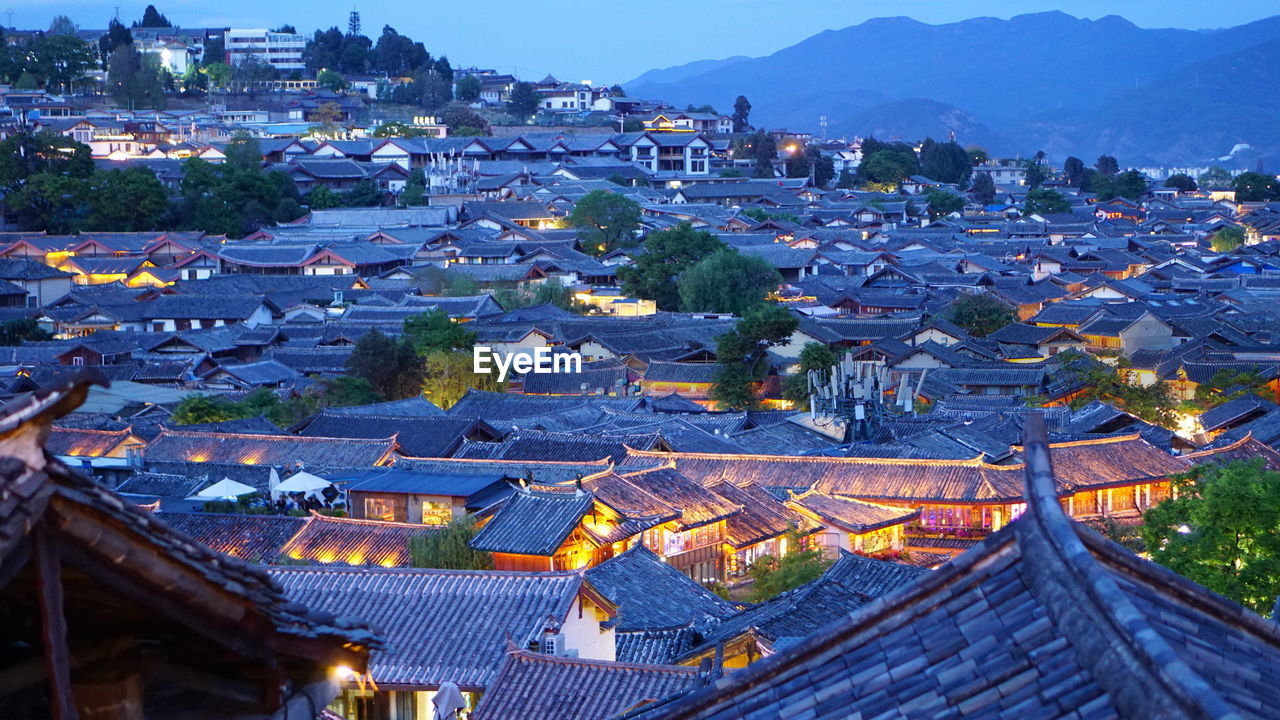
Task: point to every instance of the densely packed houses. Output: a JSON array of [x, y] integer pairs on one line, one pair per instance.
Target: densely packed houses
[[623, 511]]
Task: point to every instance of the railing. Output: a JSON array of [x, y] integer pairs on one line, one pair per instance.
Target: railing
[[915, 529]]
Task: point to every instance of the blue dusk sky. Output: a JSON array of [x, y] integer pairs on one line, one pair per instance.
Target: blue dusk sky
[[607, 41]]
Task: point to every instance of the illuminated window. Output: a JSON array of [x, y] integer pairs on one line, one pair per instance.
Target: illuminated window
[[378, 509], [436, 513]]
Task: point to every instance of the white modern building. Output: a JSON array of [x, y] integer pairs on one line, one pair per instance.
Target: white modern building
[[283, 51]]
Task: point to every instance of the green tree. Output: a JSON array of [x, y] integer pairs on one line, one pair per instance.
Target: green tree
[[942, 202], [348, 390], [129, 200], [605, 221], [117, 35], [813, 356], [1042, 201], [449, 548], [888, 166], [1107, 165], [24, 154], [197, 409], [62, 25], [824, 168], [945, 162], [395, 129], [364, 193], [983, 189], [435, 331], [151, 18], [459, 115], [1035, 174], [218, 74], [1256, 187], [741, 114], [764, 151], [774, 576], [288, 210], [981, 315], [742, 354], [391, 367], [1100, 381], [523, 101], [1222, 530], [551, 292], [726, 282], [397, 55], [415, 190], [1129, 184], [1215, 178], [56, 204], [668, 253], [19, 331], [1073, 171], [462, 286], [1181, 182], [236, 197], [1228, 238], [135, 81], [467, 89], [847, 180], [447, 376], [61, 60], [322, 198], [331, 80]]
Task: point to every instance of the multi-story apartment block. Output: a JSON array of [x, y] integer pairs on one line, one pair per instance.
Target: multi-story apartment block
[[283, 51]]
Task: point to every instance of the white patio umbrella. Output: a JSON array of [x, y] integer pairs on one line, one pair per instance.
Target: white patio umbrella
[[224, 489], [302, 482]]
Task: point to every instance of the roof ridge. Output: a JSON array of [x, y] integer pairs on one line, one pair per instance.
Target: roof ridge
[[593, 662], [1127, 657]]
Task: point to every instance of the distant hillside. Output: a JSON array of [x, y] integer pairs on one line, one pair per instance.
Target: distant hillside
[[1200, 110], [1043, 78], [682, 72], [914, 118]]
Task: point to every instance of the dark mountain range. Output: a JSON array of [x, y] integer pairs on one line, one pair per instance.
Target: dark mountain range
[[686, 71], [1044, 81]]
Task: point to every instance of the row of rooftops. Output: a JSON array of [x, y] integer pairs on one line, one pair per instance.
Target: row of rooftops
[[657, 616]]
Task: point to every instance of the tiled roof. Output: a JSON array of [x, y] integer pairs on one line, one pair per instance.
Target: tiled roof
[[850, 583], [112, 534], [697, 504], [84, 443], [547, 687], [429, 436], [998, 631], [523, 445], [1102, 462], [677, 372], [762, 517], [650, 594], [496, 406], [252, 538], [438, 625], [162, 484], [851, 514], [271, 450], [659, 647], [531, 522], [1245, 448], [409, 407], [325, 540], [540, 471]]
